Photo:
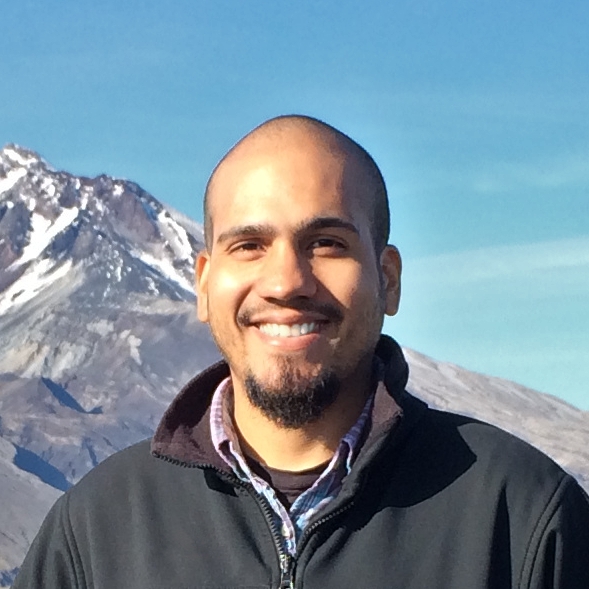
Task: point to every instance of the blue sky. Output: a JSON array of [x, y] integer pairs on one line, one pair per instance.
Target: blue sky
[[476, 111]]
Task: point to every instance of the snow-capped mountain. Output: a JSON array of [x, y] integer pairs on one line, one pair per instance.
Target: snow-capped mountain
[[97, 326], [98, 332], [53, 221]]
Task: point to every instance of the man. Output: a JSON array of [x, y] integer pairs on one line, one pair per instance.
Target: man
[[301, 461]]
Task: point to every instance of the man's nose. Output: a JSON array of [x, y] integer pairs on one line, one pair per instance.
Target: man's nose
[[286, 273]]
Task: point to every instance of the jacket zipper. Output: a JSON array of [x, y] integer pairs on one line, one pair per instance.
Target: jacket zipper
[[286, 561], [286, 572]]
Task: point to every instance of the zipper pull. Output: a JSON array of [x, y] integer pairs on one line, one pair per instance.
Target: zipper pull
[[286, 569]]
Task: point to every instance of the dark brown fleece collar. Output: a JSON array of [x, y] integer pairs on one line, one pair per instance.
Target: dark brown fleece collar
[[184, 432]]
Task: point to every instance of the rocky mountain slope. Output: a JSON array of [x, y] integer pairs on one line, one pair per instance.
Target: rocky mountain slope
[[98, 332]]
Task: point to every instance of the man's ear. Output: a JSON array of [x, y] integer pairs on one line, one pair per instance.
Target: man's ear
[[201, 273], [390, 264]]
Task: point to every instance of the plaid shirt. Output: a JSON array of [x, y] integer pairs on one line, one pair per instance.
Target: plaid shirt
[[326, 487]]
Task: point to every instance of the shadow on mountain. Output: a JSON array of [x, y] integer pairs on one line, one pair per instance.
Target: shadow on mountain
[[33, 463], [66, 399], [7, 577]]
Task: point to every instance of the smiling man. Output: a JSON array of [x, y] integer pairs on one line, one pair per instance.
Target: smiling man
[[300, 460], [294, 283]]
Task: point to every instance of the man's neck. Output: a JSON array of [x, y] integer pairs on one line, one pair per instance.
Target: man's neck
[[302, 448]]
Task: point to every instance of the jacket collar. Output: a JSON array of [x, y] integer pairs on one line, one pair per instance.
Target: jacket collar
[[184, 432]]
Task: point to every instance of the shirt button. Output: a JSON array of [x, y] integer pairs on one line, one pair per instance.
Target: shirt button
[[285, 531]]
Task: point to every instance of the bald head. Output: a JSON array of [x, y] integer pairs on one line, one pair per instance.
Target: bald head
[[275, 134]]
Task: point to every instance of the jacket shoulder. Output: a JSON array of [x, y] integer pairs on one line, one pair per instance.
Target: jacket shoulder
[[123, 464], [125, 476], [451, 455], [500, 451]]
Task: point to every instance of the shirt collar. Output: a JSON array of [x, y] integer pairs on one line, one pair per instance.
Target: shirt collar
[[226, 441]]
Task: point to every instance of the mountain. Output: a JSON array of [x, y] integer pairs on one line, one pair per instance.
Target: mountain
[[25, 499], [97, 325], [98, 332]]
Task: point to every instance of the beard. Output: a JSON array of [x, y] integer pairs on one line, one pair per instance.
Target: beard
[[294, 400]]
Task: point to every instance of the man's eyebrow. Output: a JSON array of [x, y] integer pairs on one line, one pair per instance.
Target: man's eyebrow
[[326, 223], [246, 231]]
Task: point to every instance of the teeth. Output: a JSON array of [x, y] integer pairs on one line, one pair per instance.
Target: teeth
[[281, 330]]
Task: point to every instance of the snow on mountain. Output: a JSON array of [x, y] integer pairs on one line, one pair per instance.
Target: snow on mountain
[[98, 332], [110, 226]]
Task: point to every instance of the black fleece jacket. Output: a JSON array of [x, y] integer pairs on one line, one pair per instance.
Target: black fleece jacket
[[434, 501]]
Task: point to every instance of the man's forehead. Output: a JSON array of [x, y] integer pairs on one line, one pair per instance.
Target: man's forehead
[[288, 184], [301, 156], [317, 158]]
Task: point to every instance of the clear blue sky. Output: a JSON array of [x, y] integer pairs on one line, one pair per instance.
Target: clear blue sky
[[477, 112]]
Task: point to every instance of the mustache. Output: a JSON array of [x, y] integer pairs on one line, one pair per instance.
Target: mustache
[[329, 311]]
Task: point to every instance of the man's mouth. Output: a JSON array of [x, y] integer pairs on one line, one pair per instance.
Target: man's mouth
[[282, 330]]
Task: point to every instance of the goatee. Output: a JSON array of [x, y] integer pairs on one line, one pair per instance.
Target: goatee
[[295, 400]]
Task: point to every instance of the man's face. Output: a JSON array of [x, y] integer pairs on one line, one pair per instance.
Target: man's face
[[292, 287]]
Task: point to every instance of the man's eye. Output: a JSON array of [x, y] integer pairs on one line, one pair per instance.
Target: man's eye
[[245, 248], [327, 243]]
